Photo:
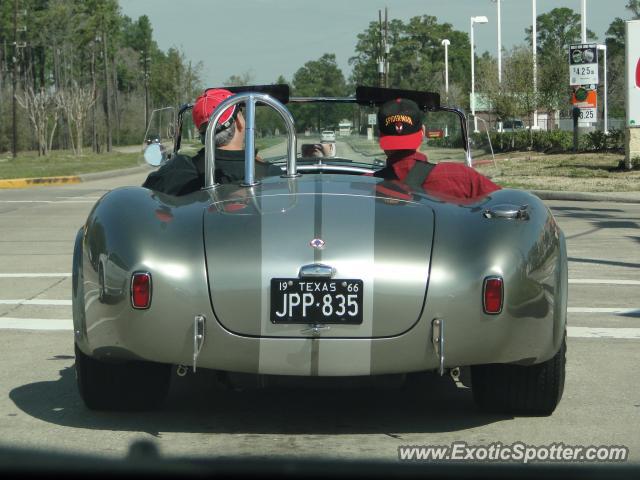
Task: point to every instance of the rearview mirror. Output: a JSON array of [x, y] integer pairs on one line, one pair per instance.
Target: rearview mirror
[[318, 150]]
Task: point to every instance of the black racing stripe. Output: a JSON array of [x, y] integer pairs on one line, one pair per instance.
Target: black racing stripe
[[317, 258], [317, 216], [315, 357]]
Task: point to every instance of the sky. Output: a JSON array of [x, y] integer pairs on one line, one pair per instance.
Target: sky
[[269, 38]]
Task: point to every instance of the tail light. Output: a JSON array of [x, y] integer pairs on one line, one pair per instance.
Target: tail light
[[492, 295], [141, 290]]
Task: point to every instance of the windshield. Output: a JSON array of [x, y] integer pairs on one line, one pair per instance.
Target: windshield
[[341, 133]]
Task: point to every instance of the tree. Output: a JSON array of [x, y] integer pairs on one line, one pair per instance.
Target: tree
[[517, 81], [416, 56], [76, 102], [42, 110], [556, 30], [320, 77], [246, 78]]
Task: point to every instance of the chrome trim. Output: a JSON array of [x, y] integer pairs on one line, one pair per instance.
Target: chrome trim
[[508, 211], [437, 338], [250, 98], [315, 329], [322, 99], [148, 274], [337, 168], [463, 131], [249, 143], [198, 337], [316, 270], [484, 291]]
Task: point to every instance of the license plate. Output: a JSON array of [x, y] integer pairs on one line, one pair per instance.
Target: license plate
[[295, 300]]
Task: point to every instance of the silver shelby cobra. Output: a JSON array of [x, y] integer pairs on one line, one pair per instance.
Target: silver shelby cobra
[[320, 270]]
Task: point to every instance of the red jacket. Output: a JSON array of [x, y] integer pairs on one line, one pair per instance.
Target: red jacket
[[447, 179]]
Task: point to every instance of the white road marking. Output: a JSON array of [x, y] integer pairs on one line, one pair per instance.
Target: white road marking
[[595, 332], [600, 281], [619, 311], [24, 301], [576, 281], [47, 201], [8, 323], [33, 275]]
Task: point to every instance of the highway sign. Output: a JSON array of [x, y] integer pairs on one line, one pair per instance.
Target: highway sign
[[372, 117], [583, 64]]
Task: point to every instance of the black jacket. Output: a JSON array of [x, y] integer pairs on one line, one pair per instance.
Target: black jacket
[[183, 174]]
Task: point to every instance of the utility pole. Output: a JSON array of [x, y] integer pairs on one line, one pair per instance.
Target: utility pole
[[583, 17], [105, 59], [534, 38], [145, 66], [14, 80], [383, 49], [386, 48]]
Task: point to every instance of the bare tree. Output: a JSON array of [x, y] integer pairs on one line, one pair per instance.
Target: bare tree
[[76, 102], [42, 109]]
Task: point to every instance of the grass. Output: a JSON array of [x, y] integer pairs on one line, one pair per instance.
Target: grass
[[583, 172], [63, 163]]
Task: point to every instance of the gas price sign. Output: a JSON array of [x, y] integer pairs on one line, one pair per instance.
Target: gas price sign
[[583, 64]]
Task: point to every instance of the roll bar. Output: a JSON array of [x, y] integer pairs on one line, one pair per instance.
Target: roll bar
[[249, 99], [364, 96]]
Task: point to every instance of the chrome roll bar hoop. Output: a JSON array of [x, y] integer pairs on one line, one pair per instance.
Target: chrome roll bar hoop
[[250, 99]]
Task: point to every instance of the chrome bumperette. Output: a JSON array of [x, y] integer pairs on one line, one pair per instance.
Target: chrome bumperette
[[437, 338], [198, 337]]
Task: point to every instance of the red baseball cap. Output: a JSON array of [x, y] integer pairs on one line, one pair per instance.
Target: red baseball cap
[[400, 124], [205, 105]]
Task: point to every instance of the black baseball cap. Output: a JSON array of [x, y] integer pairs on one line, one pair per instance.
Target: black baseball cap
[[400, 124]]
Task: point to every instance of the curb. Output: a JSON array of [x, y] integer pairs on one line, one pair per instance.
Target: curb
[[70, 179], [622, 197], [36, 182]]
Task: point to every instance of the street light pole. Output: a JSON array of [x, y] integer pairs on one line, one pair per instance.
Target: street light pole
[[499, 42], [534, 38], [446, 44], [605, 112], [481, 19], [583, 17]]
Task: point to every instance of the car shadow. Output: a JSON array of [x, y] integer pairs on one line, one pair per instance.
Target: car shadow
[[198, 404]]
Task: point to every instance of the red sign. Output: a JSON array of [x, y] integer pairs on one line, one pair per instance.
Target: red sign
[[439, 133], [638, 74]]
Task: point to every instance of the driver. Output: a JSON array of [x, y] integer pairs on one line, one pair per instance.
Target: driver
[[401, 134], [183, 174]]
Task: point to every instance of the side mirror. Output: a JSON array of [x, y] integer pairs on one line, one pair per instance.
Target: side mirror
[[154, 155]]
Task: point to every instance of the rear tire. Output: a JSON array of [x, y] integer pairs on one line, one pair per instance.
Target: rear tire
[[130, 386], [529, 390]]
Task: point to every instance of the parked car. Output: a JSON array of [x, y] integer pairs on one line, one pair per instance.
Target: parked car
[[513, 125], [328, 136]]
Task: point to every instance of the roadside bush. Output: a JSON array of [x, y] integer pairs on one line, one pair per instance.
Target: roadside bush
[[552, 141]]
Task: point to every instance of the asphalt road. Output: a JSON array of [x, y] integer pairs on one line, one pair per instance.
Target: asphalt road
[[40, 406]]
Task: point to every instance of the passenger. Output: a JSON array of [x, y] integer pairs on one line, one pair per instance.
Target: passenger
[[183, 174], [401, 134]]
